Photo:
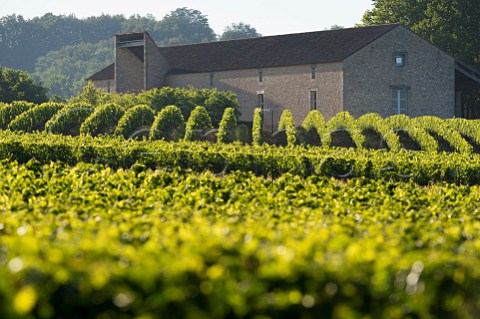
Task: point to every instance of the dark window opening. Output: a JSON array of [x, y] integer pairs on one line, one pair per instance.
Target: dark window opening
[[261, 101], [313, 100]]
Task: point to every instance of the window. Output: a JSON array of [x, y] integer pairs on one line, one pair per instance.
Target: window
[[261, 101], [400, 101], [211, 79], [399, 60], [313, 71], [313, 100], [260, 76]]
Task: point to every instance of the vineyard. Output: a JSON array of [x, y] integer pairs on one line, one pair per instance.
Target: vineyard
[[155, 120], [115, 211]]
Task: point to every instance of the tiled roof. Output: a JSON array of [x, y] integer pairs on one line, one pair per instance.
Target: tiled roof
[[271, 51], [107, 73]]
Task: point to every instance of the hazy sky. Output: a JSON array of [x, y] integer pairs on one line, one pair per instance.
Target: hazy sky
[[267, 16]]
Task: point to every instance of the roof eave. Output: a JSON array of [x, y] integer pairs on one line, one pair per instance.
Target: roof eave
[[102, 78], [468, 71]]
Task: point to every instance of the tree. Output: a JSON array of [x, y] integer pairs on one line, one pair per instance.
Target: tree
[[72, 49], [239, 31], [184, 26], [64, 71], [407, 12], [453, 25], [16, 85], [336, 27], [91, 96], [19, 38], [138, 23]]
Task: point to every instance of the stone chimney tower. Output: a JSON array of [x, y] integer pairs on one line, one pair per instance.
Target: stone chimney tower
[[138, 63]]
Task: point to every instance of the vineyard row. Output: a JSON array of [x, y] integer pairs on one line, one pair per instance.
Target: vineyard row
[[421, 167], [370, 131]]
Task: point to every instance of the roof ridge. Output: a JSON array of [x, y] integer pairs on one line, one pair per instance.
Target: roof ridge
[[392, 25], [325, 46]]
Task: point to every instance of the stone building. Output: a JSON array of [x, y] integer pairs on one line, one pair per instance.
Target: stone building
[[386, 69]]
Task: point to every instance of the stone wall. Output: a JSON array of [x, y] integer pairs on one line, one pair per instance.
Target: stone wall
[[283, 88], [370, 74], [129, 71], [156, 66], [106, 85], [360, 84]]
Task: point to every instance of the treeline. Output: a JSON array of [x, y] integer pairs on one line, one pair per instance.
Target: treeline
[[62, 50], [22, 41]]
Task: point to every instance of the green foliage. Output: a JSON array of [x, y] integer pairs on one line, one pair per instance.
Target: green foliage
[[409, 13], [370, 130], [183, 26], [69, 120], [374, 122], [343, 121], [35, 118], [239, 31], [336, 27], [157, 99], [261, 230], [257, 138], [467, 128], [286, 124], [227, 126], [216, 102], [3, 105], [314, 123], [72, 49], [402, 123], [21, 47], [198, 124], [90, 95], [64, 71], [16, 85], [124, 100], [451, 25], [103, 121], [438, 127], [10, 111], [92, 240], [186, 99], [243, 133], [137, 118], [420, 167], [169, 125], [138, 23]]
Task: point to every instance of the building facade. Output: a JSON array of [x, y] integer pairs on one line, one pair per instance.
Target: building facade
[[383, 69]]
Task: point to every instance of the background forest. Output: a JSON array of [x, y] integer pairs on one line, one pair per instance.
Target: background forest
[[60, 51]]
